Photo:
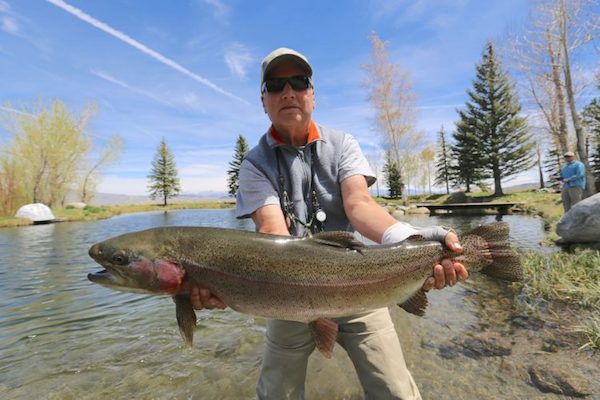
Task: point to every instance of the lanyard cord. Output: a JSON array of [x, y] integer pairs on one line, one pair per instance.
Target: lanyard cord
[[314, 224]]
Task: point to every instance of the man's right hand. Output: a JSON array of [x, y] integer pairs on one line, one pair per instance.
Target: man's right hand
[[202, 298]]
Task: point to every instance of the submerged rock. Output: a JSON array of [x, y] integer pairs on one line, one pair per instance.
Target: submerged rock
[[559, 379], [486, 344]]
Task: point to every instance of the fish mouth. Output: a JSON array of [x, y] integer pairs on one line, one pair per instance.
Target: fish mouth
[[114, 281]]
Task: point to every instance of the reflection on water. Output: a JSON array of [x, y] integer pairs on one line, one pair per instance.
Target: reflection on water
[[62, 337]]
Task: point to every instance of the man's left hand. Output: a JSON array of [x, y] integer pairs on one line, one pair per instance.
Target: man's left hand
[[447, 272]]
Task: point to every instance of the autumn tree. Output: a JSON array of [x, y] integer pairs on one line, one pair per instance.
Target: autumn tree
[[493, 122], [49, 146], [391, 95], [241, 149], [163, 177], [427, 158]]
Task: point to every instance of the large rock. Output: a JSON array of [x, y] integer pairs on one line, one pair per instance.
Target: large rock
[[37, 213], [581, 224]]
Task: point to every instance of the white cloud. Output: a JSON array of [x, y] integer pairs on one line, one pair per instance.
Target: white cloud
[[238, 58], [9, 25], [4, 7], [220, 9], [141, 47], [189, 100]]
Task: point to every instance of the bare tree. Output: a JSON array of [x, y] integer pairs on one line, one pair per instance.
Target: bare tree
[[427, 157], [109, 155], [390, 92]]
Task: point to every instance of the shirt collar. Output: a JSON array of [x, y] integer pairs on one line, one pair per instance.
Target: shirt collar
[[275, 137]]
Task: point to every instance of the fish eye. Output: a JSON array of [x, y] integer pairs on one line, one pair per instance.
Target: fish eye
[[119, 258]]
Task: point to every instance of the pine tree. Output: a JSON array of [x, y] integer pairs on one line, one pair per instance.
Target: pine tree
[[444, 162], [492, 118], [163, 177], [241, 149], [591, 120], [392, 175], [467, 169], [552, 166]]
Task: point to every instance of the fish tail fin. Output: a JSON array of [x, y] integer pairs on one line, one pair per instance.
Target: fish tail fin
[[324, 332], [186, 318], [501, 260]]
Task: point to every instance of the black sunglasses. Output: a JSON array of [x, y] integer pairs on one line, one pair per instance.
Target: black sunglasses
[[276, 85]]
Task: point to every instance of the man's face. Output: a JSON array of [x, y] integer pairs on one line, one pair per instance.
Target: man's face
[[568, 159], [289, 108]]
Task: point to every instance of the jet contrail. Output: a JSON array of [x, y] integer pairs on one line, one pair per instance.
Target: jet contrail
[[144, 49]]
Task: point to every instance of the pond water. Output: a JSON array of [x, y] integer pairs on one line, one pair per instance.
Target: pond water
[[62, 337]]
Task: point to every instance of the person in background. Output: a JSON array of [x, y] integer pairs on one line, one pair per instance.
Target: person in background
[[303, 178], [572, 175]]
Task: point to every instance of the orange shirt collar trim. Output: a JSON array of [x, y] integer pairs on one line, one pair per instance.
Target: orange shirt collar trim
[[313, 134]]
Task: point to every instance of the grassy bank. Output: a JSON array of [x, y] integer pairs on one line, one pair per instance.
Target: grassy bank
[[568, 278]]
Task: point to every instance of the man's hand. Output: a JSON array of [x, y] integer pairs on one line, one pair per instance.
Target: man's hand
[[447, 272], [202, 298]]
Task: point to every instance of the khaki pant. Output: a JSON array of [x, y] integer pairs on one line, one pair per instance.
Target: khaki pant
[[571, 196], [370, 341]]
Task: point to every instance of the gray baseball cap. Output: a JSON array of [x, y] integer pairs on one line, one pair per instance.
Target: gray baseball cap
[[280, 55], [569, 154]]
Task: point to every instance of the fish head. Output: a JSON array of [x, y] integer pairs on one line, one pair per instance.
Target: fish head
[[132, 264]]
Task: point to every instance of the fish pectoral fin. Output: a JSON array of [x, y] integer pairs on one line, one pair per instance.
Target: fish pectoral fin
[[186, 318], [324, 332], [340, 239], [417, 304]]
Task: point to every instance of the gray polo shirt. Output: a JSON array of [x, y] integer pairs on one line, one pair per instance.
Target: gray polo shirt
[[323, 163]]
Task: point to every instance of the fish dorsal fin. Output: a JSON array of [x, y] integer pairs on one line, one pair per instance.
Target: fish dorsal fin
[[186, 318], [340, 239], [324, 332], [417, 304], [415, 238]]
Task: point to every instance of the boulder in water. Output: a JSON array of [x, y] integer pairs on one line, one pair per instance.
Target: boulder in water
[[581, 224]]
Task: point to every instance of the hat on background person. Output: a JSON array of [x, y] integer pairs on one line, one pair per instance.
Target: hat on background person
[[569, 154], [280, 55]]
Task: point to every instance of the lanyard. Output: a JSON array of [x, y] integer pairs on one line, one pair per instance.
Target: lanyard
[[316, 222]]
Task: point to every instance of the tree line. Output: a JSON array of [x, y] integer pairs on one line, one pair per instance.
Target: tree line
[[50, 155], [492, 139]]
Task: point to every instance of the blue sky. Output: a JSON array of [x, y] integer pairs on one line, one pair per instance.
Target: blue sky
[[190, 70]]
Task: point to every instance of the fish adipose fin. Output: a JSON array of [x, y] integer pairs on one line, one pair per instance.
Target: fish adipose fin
[[340, 239], [417, 304], [504, 262], [324, 332], [186, 318]]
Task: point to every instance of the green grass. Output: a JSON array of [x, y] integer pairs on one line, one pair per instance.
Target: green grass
[[592, 331], [571, 278]]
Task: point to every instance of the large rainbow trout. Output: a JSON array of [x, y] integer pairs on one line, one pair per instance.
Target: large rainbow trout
[[302, 279]]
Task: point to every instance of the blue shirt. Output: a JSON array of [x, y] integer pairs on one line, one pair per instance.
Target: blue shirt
[[573, 174]]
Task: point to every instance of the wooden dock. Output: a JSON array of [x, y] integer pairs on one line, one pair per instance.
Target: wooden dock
[[469, 208]]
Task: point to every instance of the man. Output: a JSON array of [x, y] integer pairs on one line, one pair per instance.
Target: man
[[572, 176], [303, 178]]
